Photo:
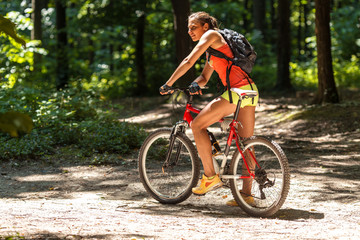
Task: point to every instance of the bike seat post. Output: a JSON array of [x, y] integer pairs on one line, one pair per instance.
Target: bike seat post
[[236, 114]]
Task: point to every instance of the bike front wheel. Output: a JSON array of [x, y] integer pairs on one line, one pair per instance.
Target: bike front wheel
[[169, 167], [262, 194]]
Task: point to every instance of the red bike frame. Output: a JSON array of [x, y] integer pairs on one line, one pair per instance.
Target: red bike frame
[[232, 136]]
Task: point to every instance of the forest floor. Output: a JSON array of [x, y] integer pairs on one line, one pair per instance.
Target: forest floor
[[61, 197]]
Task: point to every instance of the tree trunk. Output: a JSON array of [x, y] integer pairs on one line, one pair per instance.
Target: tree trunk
[[181, 9], [259, 15], [62, 66], [299, 30], [327, 91], [272, 23], [283, 47], [111, 58], [140, 63], [36, 32], [273, 14], [245, 16]]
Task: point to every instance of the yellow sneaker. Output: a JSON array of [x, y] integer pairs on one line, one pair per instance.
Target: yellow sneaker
[[207, 185], [248, 199], [232, 203]]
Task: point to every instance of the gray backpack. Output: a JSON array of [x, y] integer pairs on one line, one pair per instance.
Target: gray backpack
[[244, 54]]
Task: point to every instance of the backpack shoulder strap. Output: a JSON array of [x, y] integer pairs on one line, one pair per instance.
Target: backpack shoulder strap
[[213, 52], [216, 53], [228, 69]]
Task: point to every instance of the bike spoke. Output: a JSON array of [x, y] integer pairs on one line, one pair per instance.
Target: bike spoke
[[168, 167], [270, 184]]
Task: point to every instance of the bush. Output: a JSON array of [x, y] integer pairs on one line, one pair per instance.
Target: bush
[[28, 146], [110, 137], [70, 117], [346, 73]]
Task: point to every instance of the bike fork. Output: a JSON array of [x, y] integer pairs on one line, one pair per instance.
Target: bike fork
[[171, 146]]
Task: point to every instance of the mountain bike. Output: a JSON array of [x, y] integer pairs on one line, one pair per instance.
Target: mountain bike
[[169, 165]]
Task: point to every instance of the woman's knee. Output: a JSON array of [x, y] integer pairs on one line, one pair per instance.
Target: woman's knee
[[196, 126]]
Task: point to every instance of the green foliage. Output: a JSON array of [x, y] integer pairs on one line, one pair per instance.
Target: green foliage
[[264, 77], [265, 68], [347, 73], [66, 106], [28, 146], [304, 75], [8, 27], [346, 31], [105, 137], [15, 62], [345, 51], [70, 117], [102, 37]]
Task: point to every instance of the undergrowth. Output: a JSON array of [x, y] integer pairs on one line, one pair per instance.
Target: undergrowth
[[70, 117]]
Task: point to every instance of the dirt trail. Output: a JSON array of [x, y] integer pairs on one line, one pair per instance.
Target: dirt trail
[[59, 199]]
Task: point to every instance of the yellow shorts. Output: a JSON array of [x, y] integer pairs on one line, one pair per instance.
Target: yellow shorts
[[244, 102]]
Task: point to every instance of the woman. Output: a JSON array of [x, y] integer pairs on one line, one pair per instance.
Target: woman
[[202, 27]]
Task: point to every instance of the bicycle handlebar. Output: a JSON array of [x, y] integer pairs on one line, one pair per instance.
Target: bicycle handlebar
[[186, 90], [241, 93]]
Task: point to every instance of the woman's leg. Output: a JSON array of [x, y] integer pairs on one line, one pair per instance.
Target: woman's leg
[[247, 119], [214, 111]]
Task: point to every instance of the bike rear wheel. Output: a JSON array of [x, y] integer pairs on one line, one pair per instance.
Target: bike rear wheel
[[171, 181], [270, 186]]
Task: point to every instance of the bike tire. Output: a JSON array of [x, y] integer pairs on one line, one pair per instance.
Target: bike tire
[[271, 184], [175, 183]]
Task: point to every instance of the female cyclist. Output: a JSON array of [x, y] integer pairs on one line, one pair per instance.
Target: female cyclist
[[202, 27]]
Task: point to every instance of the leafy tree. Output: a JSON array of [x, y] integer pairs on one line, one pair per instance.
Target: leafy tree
[[15, 60], [120, 48]]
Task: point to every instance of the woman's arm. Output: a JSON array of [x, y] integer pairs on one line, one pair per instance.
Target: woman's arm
[[205, 42], [205, 75]]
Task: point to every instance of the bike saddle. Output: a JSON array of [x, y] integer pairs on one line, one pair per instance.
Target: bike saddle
[[243, 93]]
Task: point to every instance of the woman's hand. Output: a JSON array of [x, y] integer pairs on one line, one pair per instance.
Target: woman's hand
[[194, 88], [166, 89]]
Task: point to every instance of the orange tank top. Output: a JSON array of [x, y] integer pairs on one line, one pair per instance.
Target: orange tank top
[[237, 76]]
